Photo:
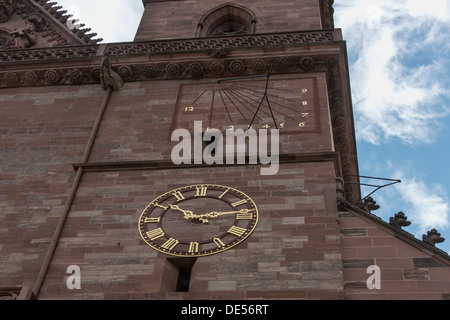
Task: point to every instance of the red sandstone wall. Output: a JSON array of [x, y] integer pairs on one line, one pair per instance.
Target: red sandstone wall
[[43, 130], [407, 272], [179, 19], [293, 253], [139, 121]]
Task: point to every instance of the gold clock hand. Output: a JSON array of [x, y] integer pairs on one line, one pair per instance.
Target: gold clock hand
[[215, 214], [187, 214]]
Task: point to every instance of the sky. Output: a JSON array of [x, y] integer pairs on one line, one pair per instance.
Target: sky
[[399, 63]]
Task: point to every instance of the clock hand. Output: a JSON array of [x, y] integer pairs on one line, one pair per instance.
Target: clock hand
[[187, 214], [215, 214]]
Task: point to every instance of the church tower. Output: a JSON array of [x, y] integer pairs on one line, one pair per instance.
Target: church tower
[[214, 157]]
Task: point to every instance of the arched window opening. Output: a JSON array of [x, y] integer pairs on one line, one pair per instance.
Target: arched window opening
[[226, 20]]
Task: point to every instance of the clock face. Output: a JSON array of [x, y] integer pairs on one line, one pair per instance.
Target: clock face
[[198, 220], [289, 103]]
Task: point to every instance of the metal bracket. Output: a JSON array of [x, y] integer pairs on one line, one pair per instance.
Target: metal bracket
[[394, 181]]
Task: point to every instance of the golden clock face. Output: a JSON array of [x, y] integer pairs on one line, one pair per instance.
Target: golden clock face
[[288, 103], [198, 220]]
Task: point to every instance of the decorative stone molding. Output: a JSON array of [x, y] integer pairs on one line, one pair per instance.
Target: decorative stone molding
[[237, 67], [196, 69], [186, 69], [327, 12], [368, 205], [399, 220], [108, 77], [432, 237], [219, 47], [5, 10]]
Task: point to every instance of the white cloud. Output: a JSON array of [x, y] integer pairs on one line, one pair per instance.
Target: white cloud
[[397, 89], [112, 20], [427, 208], [437, 8]]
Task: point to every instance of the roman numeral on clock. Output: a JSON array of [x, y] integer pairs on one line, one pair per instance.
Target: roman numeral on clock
[[152, 220], [178, 195], [224, 193], [219, 242], [193, 247], [238, 203], [237, 231], [201, 191], [244, 216], [170, 244], [155, 234]]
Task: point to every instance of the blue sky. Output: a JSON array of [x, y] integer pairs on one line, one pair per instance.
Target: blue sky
[[399, 63]]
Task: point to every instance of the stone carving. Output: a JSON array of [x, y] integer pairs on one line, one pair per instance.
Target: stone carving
[[368, 205], [220, 47], [62, 16], [126, 73], [217, 68], [31, 22], [38, 22], [5, 10], [259, 66], [170, 46], [31, 77], [280, 65], [108, 77], [327, 12], [52, 76], [76, 76], [399, 220], [432, 237], [12, 79], [8, 295], [237, 67], [96, 73], [219, 53], [173, 70], [23, 38], [307, 63], [339, 122], [340, 139], [150, 71], [196, 69]]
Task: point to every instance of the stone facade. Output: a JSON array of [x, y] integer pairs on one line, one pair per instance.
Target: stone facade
[[81, 161]]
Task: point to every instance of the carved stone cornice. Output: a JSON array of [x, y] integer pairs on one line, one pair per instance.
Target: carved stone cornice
[[30, 67], [175, 46], [327, 13]]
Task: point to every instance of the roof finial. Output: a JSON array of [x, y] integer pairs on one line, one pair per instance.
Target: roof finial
[[399, 220], [432, 237]]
